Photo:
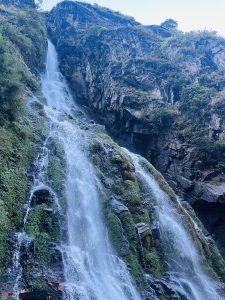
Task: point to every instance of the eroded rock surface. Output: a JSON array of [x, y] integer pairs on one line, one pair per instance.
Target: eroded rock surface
[[154, 87]]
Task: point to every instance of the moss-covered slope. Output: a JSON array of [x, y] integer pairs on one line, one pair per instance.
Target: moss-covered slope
[[22, 48], [130, 215]]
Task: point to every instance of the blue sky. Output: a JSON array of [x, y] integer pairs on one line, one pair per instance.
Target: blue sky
[[190, 14]]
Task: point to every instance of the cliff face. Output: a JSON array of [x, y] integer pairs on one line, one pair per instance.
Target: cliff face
[[156, 87], [136, 79]]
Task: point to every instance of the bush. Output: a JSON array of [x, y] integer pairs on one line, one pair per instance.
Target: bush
[[194, 99], [10, 86], [161, 119]]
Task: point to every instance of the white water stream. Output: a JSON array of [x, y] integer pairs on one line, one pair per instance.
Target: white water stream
[[186, 271], [92, 270]]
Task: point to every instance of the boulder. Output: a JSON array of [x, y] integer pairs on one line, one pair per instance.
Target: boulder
[[142, 228], [209, 193], [117, 207]]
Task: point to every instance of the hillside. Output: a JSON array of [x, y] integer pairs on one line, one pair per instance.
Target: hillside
[[111, 155], [159, 89]]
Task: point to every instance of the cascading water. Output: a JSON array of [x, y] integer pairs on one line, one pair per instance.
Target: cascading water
[[92, 271], [22, 239], [186, 273]]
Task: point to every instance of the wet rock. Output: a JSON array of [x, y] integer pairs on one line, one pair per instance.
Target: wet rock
[[185, 183], [142, 228], [117, 207], [125, 246], [56, 285], [42, 196], [210, 193], [145, 235], [163, 288], [123, 89], [40, 295]]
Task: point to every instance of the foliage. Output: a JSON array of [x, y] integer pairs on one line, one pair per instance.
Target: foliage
[[194, 99], [19, 129], [136, 270], [161, 119], [10, 86], [115, 230], [39, 284], [153, 262], [43, 227], [96, 147], [169, 24], [56, 166]]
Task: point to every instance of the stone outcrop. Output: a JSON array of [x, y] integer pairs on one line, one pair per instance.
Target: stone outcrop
[[137, 78]]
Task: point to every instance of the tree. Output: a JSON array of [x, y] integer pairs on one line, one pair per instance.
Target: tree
[[169, 24]]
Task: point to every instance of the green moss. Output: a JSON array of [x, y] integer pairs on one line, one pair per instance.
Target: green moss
[[96, 147], [129, 191], [41, 220], [216, 261], [136, 269], [98, 162], [19, 129], [129, 229], [55, 172], [16, 155], [30, 269], [115, 230], [42, 253], [142, 216], [159, 178], [153, 262], [39, 284], [43, 227], [56, 166]]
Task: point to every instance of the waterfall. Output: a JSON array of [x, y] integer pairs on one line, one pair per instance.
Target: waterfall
[[92, 270], [186, 272], [21, 237]]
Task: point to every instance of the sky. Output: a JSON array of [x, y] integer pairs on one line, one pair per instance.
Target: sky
[[190, 14]]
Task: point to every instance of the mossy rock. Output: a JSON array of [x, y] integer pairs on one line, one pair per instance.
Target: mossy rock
[[56, 173], [115, 230], [39, 284], [136, 269], [17, 150], [153, 262], [129, 191], [43, 226], [129, 229], [216, 261], [142, 216], [159, 178], [96, 147], [42, 251], [43, 220]]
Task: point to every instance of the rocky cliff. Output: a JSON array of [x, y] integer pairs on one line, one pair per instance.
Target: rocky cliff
[[159, 95], [159, 89]]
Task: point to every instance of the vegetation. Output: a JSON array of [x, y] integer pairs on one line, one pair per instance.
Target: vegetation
[[115, 166], [20, 130], [161, 119], [39, 284]]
